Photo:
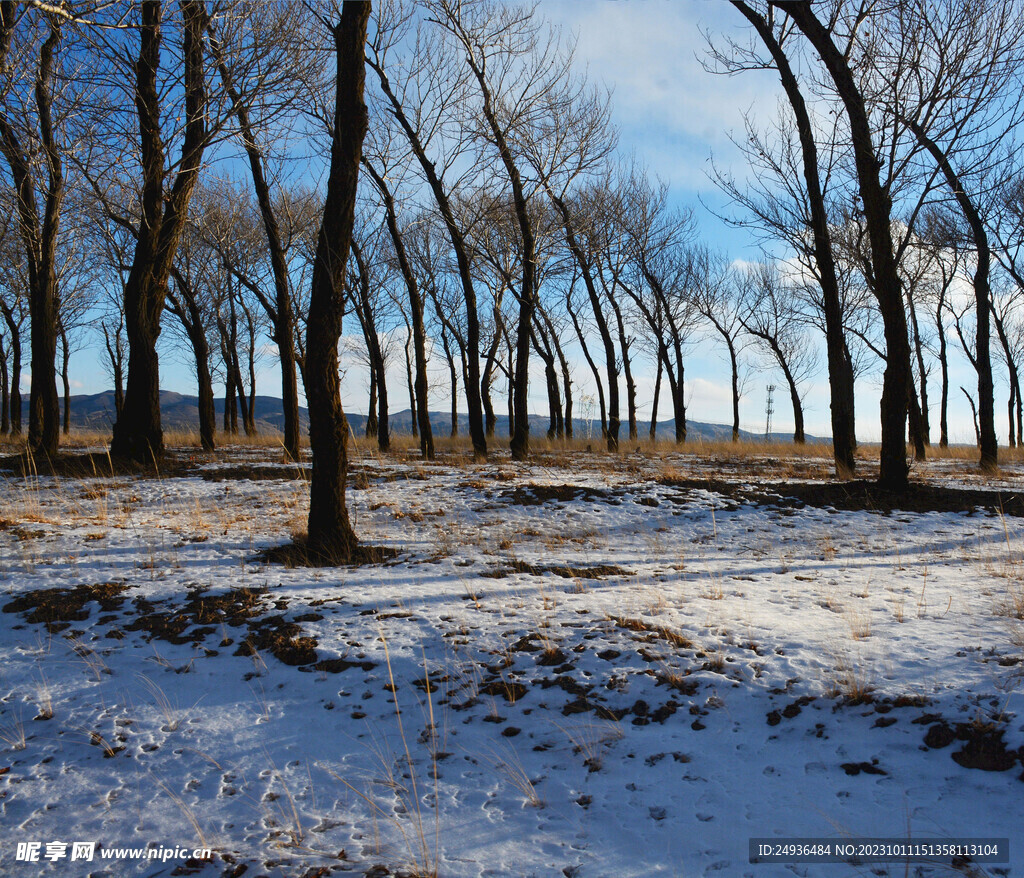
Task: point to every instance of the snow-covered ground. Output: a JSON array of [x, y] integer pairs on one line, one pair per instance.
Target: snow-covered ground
[[581, 668]]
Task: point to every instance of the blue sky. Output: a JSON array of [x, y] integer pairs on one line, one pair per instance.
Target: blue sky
[[674, 116]]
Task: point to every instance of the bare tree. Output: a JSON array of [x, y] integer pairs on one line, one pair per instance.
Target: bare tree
[[165, 192], [806, 227], [421, 411], [367, 310], [331, 539], [661, 273], [421, 94], [265, 63], [877, 208], [955, 69], [515, 60], [769, 313], [13, 282], [716, 295], [30, 141]]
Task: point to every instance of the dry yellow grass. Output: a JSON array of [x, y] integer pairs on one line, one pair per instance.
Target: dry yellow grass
[[588, 452]]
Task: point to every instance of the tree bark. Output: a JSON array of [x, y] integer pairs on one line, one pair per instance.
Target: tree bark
[[137, 432], [15, 398], [5, 392], [455, 235], [65, 358], [877, 207], [653, 433], [39, 236], [186, 308], [419, 333], [840, 366], [982, 297], [381, 429], [281, 314], [331, 539]]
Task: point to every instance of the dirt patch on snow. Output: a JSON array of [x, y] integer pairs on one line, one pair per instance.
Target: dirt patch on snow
[[918, 497], [57, 608]]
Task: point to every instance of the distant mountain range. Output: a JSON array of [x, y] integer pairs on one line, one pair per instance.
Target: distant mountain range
[[181, 412]]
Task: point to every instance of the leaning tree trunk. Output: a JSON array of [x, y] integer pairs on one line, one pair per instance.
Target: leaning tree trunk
[[184, 306], [65, 358], [653, 433], [419, 333], [474, 402], [281, 314], [627, 370], [610, 427], [982, 297], [5, 393], [840, 366], [877, 207], [331, 539]]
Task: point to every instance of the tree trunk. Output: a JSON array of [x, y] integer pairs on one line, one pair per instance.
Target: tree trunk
[[473, 384], [597, 376], [419, 334], [413, 407], [5, 393], [735, 390], [916, 423], [840, 366], [453, 374], [551, 384], [378, 368], [974, 415], [944, 368], [207, 414], [982, 297], [15, 400], [922, 373], [627, 370], [39, 236], [281, 315], [653, 434], [794, 396], [137, 432], [65, 358], [1014, 375], [610, 425], [371, 412], [520, 442], [488, 372], [331, 538], [877, 211], [678, 387]]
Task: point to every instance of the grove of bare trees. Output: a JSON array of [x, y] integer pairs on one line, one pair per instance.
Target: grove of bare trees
[[438, 186]]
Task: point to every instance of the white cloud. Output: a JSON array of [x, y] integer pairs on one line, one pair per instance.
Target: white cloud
[[672, 111]]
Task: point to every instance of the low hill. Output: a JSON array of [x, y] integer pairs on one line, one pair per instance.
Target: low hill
[[180, 412]]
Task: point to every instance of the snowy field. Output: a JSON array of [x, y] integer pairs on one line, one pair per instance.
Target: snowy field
[[588, 666]]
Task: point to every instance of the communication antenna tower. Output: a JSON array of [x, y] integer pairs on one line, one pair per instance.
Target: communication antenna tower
[[769, 408]]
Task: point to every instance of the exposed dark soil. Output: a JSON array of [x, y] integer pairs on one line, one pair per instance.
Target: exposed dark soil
[[596, 571], [200, 615], [534, 495], [57, 608], [256, 473], [297, 554], [860, 496], [867, 496], [983, 745]]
